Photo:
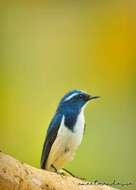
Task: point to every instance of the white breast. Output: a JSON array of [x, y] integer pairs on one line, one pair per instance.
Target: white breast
[[66, 143], [72, 138], [79, 128]]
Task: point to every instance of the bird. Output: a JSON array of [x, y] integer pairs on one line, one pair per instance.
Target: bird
[[65, 131]]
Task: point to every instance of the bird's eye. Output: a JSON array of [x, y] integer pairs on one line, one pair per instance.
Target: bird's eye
[[80, 96]]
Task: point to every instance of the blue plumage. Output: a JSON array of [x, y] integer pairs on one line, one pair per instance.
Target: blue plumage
[[69, 109], [50, 137]]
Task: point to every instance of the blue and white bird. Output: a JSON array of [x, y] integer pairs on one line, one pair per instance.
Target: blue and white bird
[[65, 131]]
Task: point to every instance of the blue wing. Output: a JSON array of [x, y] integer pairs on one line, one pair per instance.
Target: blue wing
[[50, 138]]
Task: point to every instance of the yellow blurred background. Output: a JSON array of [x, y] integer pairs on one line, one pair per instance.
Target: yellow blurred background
[[49, 48]]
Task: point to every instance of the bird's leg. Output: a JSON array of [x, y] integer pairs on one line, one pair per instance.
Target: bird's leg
[[73, 174], [54, 168], [69, 172], [59, 172], [56, 171]]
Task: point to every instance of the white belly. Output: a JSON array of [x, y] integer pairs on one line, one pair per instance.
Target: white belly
[[66, 143]]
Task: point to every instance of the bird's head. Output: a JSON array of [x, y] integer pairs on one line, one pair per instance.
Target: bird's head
[[75, 99]]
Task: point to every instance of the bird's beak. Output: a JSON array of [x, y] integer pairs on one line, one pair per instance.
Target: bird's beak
[[92, 97]]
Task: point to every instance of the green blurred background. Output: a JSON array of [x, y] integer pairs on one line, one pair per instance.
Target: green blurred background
[[49, 48]]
